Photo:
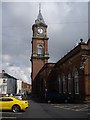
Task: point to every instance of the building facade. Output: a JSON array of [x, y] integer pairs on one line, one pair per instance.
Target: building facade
[[26, 88], [11, 85], [8, 84], [39, 42], [41, 83], [19, 86], [89, 19], [71, 74]]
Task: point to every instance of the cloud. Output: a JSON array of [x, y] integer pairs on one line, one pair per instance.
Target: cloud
[[67, 23], [17, 68], [18, 72], [72, 27], [45, 0], [6, 57]]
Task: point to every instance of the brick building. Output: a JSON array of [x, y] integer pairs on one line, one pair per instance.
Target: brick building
[[39, 42], [71, 74], [40, 81], [26, 87], [89, 19]]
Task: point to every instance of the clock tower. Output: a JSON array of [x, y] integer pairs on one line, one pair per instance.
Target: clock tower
[[39, 42]]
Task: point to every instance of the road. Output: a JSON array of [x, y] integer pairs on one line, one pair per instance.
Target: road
[[49, 110]]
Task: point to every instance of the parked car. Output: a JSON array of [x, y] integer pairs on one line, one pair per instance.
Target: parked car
[[19, 97], [57, 97], [12, 103]]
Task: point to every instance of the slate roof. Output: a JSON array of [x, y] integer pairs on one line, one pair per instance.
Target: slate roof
[[5, 75]]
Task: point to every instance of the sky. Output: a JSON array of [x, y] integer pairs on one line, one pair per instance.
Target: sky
[[67, 23]]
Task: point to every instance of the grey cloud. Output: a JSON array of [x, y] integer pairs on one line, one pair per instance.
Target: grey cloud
[[67, 23]]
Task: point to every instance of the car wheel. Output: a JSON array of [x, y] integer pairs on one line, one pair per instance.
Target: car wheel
[[16, 108]]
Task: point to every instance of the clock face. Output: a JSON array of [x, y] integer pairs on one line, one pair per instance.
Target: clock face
[[40, 30]]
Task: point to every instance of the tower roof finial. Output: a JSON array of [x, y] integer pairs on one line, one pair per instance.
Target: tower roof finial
[[39, 7], [40, 17]]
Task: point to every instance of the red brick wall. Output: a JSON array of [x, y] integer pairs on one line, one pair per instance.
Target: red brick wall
[[37, 65], [67, 65], [37, 61], [87, 77]]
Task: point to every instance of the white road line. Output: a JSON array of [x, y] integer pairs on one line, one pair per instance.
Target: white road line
[[10, 113], [59, 106], [84, 108], [72, 108], [7, 117], [63, 107]]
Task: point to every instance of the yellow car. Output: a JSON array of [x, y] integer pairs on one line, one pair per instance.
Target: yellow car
[[11, 103]]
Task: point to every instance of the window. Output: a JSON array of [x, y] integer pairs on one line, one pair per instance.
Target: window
[[64, 84], [76, 82], [0, 89], [69, 83], [4, 81], [6, 99], [40, 50], [3, 88], [60, 84]]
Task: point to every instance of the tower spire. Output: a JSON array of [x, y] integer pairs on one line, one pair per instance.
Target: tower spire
[[39, 17], [39, 7]]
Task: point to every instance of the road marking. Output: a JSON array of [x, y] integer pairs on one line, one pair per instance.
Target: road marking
[[10, 113], [75, 108], [84, 108], [8, 117], [63, 107]]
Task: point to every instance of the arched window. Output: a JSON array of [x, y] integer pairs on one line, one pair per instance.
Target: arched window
[[76, 82], [60, 84], [40, 50], [69, 83], [64, 84]]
